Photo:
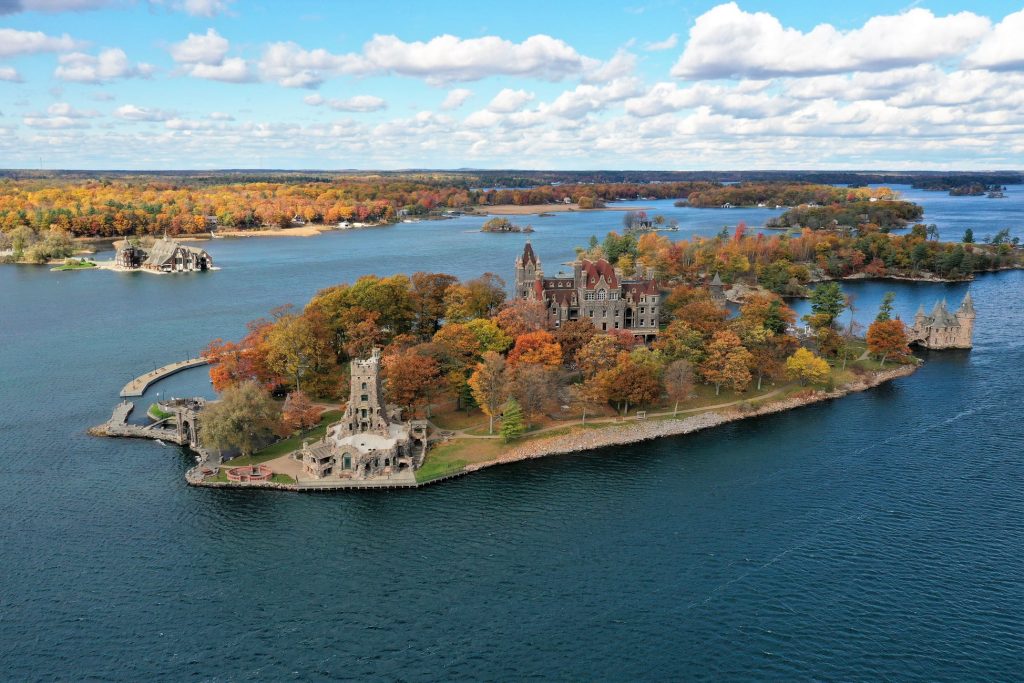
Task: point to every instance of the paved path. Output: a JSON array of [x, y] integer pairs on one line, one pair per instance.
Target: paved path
[[461, 433], [139, 385]]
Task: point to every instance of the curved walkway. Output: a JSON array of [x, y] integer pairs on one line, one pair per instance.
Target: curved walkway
[[462, 434], [138, 386]]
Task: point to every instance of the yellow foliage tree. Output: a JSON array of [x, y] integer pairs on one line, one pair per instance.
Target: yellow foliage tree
[[807, 367]]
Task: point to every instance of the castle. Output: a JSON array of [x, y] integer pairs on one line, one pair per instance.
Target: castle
[[595, 291], [943, 330], [370, 440]]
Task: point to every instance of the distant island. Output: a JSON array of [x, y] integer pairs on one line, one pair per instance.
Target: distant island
[[504, 225]]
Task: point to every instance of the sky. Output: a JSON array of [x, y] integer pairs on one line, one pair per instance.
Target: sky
[[594, 84]]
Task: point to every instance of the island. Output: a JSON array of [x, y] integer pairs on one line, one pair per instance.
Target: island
[[443, 377]]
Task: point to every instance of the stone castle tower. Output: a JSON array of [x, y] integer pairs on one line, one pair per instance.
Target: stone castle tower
[[528, 272], [942, 329], [366, 411]]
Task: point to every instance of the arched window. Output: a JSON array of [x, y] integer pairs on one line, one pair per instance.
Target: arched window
[[601, 295]]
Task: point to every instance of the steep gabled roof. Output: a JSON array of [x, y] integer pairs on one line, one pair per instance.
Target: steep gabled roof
[[593, 270], [528, 255]]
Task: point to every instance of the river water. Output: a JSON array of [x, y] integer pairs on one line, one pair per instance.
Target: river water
[[877, 536]]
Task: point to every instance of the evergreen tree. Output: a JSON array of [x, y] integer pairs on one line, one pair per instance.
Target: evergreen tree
[[512, 426], [968, 236], [828, 300], [885, 310]]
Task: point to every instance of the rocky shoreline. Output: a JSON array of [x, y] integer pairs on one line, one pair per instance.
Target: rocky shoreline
[[591, 439], [585, 440]]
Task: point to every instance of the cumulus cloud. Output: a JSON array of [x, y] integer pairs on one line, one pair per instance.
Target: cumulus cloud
[[441, 60], [205, 56], [729, 42], [131, 112], [509, 100], [220, 116], [205, 8], [622, 64], [455, 98], [110, 64], [358, 103], [10, 74], [14, 43], [292, 66], [1003, 48], [587, 98], [666, 44]]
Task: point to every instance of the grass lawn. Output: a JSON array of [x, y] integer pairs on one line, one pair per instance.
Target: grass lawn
[[75, 265], [277, 477], [455, 455], [292, 443], [460, 419], [157, 414]]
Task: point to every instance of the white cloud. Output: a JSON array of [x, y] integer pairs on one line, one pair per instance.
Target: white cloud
[[110, 64], [622, 64], [205, 8], [205, 56], [509, 100], [666, 44], [728, 42], [53, 122], [65, 109], [208, 48], [10, 74], [358, 103], [53, 6], [587, 98], [1003, 48], [14, 43], [441, 60], [292, 66], [456, 98], [220, 116], [130, 112], [447, 58]]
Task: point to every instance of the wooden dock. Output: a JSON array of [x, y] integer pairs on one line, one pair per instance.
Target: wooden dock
[[138, 386]]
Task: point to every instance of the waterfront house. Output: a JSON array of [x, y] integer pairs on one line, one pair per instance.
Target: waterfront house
[[164, 256]]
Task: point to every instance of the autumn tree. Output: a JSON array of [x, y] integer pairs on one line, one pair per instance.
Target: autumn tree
[[727, 362], [520, 316], [678, 380], [888, 339], [409, 377], [803, 365], [488, 383], [299, 412], [680, 341], [572, 336], [598, 354], [244, 419], [534, 386], [297, 347], [428, 300], [535, 347], [477, 298], [635, 379]]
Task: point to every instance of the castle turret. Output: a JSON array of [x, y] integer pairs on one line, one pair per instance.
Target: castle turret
[[528, 270], [965, 316], [366, 410]]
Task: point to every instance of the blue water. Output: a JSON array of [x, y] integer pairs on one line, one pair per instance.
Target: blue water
[[874, 537]]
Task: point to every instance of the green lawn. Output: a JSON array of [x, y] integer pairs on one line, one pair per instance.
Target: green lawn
[[74, 265], [157, 414], [292, 443]]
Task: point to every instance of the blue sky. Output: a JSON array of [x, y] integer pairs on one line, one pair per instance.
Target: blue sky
[[574, 85]]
